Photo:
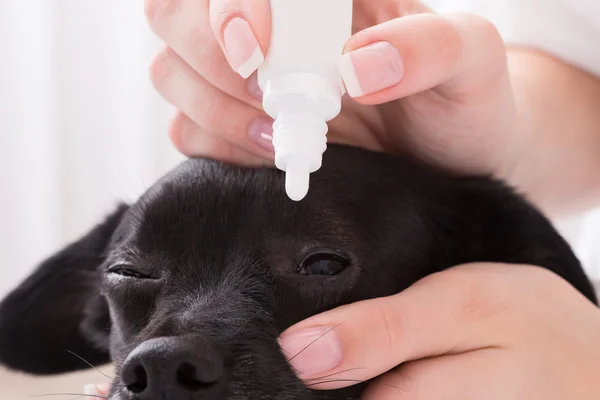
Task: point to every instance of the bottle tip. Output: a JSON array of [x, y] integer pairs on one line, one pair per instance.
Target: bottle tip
[[297, 178]]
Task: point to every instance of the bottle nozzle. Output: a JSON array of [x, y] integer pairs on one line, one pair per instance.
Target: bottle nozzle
[[299, 139], [297, 178]]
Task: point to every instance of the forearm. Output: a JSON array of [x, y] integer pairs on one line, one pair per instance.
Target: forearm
[[559, 105]]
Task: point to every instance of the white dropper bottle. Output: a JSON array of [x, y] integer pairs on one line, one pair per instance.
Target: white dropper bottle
[[302, 88]]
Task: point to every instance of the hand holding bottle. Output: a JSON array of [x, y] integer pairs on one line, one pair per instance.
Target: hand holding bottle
[[435, 85], [450, 67]]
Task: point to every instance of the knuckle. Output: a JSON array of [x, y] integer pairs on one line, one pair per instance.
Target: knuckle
[[222, 12], [388, 323], [474, 305], [488, 33], [411, 7], [158, 11], [449, 44], [177, 127], [213, 61], [181, 132], [485, 34], [481, 298], [161, 67], [209, 113], [482, 26], [212, 116]]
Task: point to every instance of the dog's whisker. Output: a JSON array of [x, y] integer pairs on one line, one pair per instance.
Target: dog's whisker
[[335, 373], [354, 381], [89, 364], [246, 321], [313, 342], [334, 381], [80, 395]]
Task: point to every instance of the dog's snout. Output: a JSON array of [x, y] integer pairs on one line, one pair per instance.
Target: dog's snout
[[173, 368]]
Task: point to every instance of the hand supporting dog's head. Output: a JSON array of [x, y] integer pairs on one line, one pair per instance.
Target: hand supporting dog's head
[[188, 289]]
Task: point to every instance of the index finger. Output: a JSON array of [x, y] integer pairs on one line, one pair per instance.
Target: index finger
[[451, 312], [243, 30]]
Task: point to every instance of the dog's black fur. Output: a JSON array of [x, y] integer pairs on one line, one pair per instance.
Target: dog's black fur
[[212, 262]]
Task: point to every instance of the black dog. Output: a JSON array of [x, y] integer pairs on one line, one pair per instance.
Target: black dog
[[188, 289]]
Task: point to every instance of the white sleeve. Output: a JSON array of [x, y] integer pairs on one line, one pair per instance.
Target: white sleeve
[[566, 29]]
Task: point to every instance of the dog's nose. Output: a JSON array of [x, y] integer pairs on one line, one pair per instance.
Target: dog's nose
[[174, 368]]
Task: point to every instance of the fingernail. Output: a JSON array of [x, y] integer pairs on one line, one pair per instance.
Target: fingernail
[[371, 68], [253, 89], [312, 351], [103, 388], [260, 132], [95, 391], [241, 47]]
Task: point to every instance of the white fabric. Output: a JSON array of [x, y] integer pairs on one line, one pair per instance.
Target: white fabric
[[569, 30]]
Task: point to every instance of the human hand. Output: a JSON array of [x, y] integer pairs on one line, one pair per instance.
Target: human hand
[[480, 331], [433, 85], [96, 391]]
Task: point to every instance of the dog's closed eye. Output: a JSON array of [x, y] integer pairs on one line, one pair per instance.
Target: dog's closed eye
[[322, 264], [127, 271]]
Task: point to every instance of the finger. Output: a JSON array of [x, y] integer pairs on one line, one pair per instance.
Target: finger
[[211, 109], [95, 391], [458, 310], [412, 54], [243, 30], [483, 374], [104, 389], [184, 25], [193, 141]]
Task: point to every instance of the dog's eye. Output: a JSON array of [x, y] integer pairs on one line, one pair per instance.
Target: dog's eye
[[322, 264], [125, 270]]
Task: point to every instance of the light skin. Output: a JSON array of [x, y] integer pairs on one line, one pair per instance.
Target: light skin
[[445, 88]]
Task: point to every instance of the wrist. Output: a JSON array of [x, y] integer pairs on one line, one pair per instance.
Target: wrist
[[556, 134]]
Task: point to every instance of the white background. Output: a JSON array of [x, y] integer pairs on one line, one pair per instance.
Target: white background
[[80, 124], [81, 127]]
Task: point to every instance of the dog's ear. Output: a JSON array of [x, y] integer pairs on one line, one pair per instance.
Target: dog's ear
[[57, 318]]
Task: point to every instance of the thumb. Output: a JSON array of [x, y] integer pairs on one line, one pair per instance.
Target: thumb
[[417, 52], [243, 30], [454, 311]]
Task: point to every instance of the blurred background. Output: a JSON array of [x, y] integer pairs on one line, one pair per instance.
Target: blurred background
[[81, 128]]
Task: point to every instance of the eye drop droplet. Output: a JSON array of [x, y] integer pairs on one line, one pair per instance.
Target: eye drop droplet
[[297, 178]]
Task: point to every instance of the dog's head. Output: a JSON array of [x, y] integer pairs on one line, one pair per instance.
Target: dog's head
[[188, 289]]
